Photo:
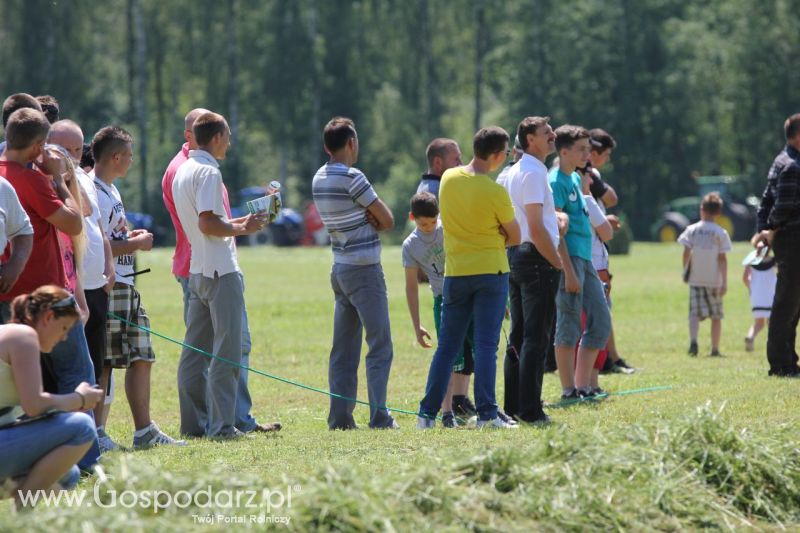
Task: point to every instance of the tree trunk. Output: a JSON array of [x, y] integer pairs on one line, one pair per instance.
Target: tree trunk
[[480, 51], [233, 100], [140, 95], [314, 123]]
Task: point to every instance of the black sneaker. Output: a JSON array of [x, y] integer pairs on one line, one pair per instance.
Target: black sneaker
[[715, 353], [449, 420], [693, 349], [621, 367], [463, 406], [590, 394], [505, 418], [571, 396]]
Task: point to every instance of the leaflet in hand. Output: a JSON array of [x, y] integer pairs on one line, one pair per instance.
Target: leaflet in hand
[[271, 204]]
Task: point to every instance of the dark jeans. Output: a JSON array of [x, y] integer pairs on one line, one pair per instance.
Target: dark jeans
[[532, 290], [95, 328], [782, 333], [481, 298]]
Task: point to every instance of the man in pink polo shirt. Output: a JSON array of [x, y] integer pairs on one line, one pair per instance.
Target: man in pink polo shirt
[[180, 268]]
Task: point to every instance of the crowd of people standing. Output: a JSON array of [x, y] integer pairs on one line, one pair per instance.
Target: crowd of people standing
[[530, 244]]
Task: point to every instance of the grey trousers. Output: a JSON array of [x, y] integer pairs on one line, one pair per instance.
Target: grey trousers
[[361, 303], [245, 422], [207, 387]]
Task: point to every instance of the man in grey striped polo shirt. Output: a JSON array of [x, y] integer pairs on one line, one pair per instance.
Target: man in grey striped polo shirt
[[353, 215]]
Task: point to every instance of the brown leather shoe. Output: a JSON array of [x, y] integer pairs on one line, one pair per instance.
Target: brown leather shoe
[[268, 428]]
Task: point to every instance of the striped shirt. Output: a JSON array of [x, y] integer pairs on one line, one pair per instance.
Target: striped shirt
[[342, 195]]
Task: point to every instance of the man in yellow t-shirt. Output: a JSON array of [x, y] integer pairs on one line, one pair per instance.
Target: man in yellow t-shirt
[[478, 221]]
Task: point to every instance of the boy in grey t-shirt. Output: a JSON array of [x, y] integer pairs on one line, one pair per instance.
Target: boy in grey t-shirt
[[705, 268], [424, 250]]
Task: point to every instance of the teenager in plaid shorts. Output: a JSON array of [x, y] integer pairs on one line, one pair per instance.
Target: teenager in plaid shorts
[[127, 346]]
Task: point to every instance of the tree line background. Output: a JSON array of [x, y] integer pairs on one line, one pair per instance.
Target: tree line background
[[683, 85]]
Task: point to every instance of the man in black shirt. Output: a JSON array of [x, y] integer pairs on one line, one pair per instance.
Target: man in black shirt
[[779, 227]]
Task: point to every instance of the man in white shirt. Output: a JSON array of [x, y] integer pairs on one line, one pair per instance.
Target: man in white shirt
[[207, 388], [98, 263], [15, 228], [535, 271]]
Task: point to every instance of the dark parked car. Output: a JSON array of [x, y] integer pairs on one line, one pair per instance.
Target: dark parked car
[[286, 230]]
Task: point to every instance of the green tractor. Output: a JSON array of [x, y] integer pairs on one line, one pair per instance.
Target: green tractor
[[738, 212]]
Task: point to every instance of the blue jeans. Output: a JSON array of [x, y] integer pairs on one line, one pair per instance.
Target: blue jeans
[[481, 298], [23, 445], [71, 364], [244, 420]]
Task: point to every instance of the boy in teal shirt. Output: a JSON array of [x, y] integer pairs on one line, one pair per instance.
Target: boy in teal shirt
[[580, 288]]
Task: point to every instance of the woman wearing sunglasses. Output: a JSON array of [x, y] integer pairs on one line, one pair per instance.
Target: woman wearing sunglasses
[[42, 435]]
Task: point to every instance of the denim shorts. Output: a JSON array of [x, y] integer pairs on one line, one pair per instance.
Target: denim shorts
[[592, 300]]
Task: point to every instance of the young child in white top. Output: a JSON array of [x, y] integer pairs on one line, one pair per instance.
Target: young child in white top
[[760, 278], [705, 268]]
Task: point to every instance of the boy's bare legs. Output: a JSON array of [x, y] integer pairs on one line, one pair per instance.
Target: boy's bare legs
[[595, 378], [137, 388], [460, 384], [716, 334], [611, 346], [565, 361], [694, 328], [584, 366]]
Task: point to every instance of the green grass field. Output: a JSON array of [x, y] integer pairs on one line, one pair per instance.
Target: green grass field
[[717, 450]]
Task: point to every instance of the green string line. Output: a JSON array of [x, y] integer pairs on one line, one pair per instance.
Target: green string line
[[596, 399], [259, 372], [558, 405]]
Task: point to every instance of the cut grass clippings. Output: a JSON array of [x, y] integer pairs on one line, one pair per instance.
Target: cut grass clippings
[[697, 472]]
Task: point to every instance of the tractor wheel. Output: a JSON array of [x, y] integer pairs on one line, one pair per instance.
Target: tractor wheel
[[725, 222], [668, 232]]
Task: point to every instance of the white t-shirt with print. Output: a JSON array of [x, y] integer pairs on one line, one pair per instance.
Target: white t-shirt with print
[[114, 223], [706, 240]]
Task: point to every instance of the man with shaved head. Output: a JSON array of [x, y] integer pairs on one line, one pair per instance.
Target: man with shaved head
[[180, 269], [97, 267]]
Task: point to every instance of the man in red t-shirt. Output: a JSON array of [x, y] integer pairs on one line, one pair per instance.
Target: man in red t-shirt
[[180, 268], [45, 198], [51, 208]]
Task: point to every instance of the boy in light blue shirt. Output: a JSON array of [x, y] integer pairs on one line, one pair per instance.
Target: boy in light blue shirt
[[580, 288]]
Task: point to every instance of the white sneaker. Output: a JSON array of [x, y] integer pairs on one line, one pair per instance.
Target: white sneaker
[[425, 423], [105, 442], [496, 423], [155, 437]]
